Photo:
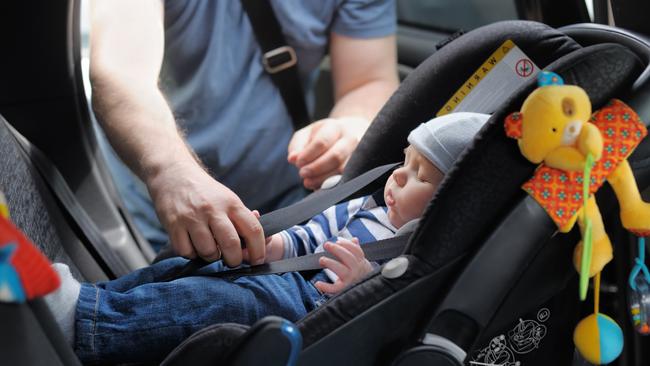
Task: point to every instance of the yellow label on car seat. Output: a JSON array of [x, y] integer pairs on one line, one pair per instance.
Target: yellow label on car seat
[[493, 82], [4, 209]]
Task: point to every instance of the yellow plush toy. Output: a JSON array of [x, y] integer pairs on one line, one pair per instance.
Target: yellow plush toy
[[555, 128]]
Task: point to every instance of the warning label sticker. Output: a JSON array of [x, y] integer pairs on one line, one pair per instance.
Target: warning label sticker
[[491, 84]]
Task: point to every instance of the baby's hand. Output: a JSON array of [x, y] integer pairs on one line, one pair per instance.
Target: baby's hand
[[274, 249], [350, 267]]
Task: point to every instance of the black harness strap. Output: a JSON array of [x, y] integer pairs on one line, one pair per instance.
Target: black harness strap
[[301, 211], [278, 220], [375, 251]]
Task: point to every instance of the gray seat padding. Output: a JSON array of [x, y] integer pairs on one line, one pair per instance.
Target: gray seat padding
[[34, 210]]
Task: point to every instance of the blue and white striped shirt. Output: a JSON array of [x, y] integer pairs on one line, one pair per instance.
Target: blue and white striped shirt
[[361, 218]]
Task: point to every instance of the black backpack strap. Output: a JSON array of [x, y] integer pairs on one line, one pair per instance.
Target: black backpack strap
[[279, 59], [278, 220]]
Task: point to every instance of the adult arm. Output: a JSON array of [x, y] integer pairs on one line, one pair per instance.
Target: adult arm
[[364, 73], [199, 213]]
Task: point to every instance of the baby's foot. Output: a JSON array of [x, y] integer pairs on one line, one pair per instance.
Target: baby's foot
[[63, 301]]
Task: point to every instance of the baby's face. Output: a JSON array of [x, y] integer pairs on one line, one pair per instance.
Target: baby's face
[[410, 188]]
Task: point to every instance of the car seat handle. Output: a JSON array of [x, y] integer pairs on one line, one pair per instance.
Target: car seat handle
[[491, 274]]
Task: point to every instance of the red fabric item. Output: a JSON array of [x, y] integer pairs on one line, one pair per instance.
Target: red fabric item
[[36, 274], [513, 125], [560, 193]]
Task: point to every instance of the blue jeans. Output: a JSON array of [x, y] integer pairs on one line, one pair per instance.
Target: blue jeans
[[136, 319]]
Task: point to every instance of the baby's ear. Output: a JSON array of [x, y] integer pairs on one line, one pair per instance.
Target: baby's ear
[[513, 125]]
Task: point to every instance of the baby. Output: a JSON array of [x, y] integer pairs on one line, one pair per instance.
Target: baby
[[139, 318]]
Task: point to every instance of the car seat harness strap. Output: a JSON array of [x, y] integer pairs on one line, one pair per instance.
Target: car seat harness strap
[[379, 250], [301, 211]]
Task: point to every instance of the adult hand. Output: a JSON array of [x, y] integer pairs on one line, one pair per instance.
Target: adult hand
[[350, 267], [204, 217], [322, 149]]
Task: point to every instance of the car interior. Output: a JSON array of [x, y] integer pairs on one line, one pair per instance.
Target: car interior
[[484, 263]]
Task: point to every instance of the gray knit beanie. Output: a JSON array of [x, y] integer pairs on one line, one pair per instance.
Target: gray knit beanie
[[442, 139]]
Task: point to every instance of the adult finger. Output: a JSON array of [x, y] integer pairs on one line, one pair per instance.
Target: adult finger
[[297, 143], [182, 244], [250, 229], [319, 143], [244, 255], [330, 288], [204, 242], [228, 240], [331, 161], [316, 182]]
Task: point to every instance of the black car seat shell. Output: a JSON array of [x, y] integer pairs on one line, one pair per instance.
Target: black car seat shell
[[422, 93], [451, 226], [372, 322]]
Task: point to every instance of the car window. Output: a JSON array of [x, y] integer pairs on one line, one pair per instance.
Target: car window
[[453, 15]]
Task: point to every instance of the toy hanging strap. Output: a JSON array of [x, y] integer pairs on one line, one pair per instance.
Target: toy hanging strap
[[585, 262], [596, 293], [640, 266], [639, 292]]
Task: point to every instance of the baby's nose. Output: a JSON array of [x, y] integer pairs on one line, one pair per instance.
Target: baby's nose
[[399, 177]]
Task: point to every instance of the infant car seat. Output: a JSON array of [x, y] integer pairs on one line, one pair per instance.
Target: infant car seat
[[459, 293], [484, 263]]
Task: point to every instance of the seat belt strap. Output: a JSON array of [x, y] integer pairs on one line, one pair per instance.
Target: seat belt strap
[[301, 211], [91, 235], [374, 251], [278, 58]]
